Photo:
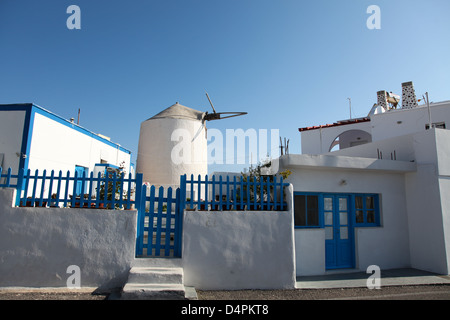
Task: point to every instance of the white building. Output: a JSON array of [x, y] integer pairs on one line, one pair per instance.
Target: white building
[[34, 138], [382, 199]]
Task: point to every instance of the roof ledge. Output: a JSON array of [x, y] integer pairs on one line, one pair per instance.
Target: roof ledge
[[346, 163]]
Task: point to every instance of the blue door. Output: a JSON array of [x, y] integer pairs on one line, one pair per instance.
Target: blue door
[[81, 186], [339, 246]]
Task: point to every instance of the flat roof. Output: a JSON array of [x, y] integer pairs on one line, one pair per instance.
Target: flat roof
[[347, 163], [336, 124]]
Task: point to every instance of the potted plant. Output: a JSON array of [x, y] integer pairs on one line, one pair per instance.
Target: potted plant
[[188, 205], [53, 201], [107, 192], [27, 203], [202, 205]]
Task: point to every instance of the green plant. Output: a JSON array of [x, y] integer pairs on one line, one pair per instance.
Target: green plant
[[108, 190], [285, 174], [256, 173]]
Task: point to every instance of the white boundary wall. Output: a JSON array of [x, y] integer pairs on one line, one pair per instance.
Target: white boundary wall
[[239, 249], [37, 245]]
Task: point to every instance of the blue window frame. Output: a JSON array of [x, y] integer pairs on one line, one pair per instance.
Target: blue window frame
[[309, 209], [366, 210]]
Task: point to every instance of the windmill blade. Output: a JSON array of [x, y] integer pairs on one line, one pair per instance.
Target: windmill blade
[[210, 102], [218, 116], [198, 131], [221, 115]]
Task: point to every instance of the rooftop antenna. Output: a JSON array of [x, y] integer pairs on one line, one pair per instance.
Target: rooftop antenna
[[430, 124], [350, 105], [281, 146], [284, 146]]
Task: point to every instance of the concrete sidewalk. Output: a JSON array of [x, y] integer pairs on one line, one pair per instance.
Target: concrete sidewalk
[[395, 277]]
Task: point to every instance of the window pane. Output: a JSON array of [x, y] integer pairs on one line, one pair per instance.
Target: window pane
[[369, 202], [359, 216], [344, 233], [312, 205], [328, 233], [343, 218], [328, 204], [358, 202], [300, 210], [370, 217], [342, 204], [329, 218]]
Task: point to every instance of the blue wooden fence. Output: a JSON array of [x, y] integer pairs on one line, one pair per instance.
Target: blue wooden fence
[[243, 193], [160, 212], [160, 222], [110, 190], [8, 180]]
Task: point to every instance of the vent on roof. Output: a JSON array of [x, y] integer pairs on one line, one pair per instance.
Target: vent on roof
[[382, 99], [408, 96]]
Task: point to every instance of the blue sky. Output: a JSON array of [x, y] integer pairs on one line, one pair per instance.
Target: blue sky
[[288, 63]]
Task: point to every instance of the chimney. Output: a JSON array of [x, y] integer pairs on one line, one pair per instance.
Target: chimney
[[382, 99], [408, 96]]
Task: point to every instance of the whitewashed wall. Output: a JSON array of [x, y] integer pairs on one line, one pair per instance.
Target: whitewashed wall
[[37, 245], [427, 202], [239, 249], [319, 141], [55, 146], [407, 121], [382, 126], [415, 210], [385, 246]]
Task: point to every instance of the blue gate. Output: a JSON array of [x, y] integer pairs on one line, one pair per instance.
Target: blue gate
[[160, 217]]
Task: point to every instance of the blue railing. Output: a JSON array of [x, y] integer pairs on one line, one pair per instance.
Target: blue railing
[[6, 179], [236, 193], [110, 190]]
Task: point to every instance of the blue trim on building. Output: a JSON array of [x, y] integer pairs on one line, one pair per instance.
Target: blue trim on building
[[30, 112], [67, 123], [106, 165]]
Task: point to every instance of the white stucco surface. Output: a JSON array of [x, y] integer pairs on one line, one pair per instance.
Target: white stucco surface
[[414, 203], [37, 245], [58, 147], [239, 249]]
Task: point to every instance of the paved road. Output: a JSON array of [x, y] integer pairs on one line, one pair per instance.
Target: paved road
[[423, 292]]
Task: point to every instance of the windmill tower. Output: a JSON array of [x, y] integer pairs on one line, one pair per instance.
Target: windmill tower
[[174, 142], [161, 156]]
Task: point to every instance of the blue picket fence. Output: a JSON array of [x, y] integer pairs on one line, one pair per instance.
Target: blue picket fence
[[160, 222], [160, 211], [7, 179], [243, 193], [110, 190]]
